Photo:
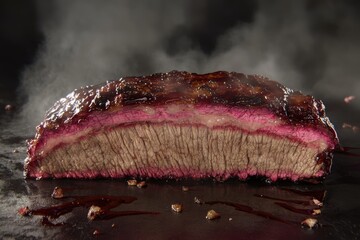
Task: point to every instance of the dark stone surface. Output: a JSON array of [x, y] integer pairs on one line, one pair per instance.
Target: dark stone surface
[[340, 217]]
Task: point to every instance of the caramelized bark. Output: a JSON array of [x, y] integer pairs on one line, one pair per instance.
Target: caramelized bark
[[218, 88]]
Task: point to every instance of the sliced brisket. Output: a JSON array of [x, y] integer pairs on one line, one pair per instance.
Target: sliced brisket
[[184, 125]]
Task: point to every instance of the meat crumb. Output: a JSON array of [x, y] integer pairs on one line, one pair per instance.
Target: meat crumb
[[354, 128], [9, 107], [113, 225], [57, 193], [15, 151], [141, 184], [230, 219], [132, 182], [309, 222], [94, 211], [316, 212], [197, 200], [96, 232], [185, 188], [348, 99], [211, 215], [24, 211], [177, 207], [317, 202]]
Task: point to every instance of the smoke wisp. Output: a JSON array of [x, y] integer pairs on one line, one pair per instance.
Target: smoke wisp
[[306, 45]]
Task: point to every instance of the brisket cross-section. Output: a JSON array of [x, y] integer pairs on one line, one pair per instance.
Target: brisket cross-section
[[184, 125]]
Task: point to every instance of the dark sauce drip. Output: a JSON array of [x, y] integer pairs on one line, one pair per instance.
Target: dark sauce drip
[[319, 195], [346, 151], [114, 214], [302, 202], [350, 148], [248, 209], [294, 209], [106, 203]]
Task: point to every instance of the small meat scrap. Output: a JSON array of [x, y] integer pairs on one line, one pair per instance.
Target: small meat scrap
[[185, 188], [177, 207], [348, 99], [352, 127], [316, 211], [24, 211], [141, 184], [309, 222], [94, 212], [317, 202], [132, 182], [197, 200], [57, 193], [211, 215], [9, 107], [96, 232], [355, 129]]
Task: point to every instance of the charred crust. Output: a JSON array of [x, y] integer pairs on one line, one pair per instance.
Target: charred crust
[[217, 88]]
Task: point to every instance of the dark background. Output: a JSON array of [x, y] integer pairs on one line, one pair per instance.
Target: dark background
[[314, 41], [21, 36]]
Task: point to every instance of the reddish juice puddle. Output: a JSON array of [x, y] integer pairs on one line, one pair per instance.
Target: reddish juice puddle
[[248, 209], [294, 209], [302, 202], [284, 204], [319, 195], [106, 203]]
